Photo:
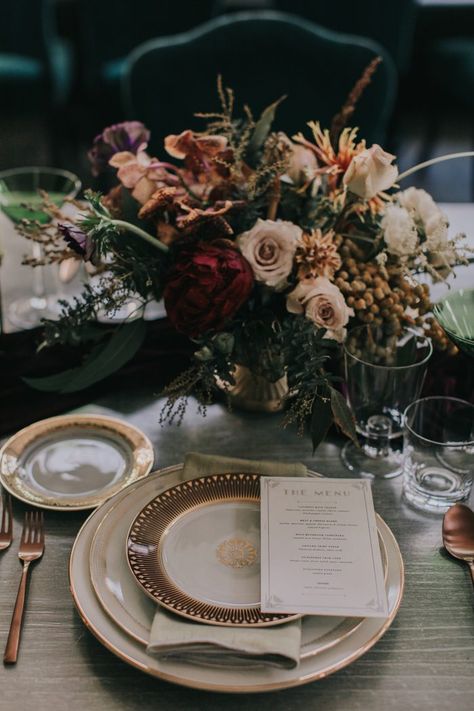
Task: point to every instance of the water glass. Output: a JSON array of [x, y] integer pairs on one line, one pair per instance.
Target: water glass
[[438, 452], [384, 373]]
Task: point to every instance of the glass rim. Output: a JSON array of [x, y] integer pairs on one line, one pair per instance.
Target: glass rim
[[392, 367], [455, 336], [459, 443], [24, 170]]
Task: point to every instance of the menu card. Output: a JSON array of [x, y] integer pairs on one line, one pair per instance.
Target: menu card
[[320, 553]]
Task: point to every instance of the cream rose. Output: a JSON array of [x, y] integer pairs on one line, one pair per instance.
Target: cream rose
[[323, 304], [370, 172], [270, 247]]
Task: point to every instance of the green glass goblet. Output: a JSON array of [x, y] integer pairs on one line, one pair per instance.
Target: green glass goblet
[[20, 198]]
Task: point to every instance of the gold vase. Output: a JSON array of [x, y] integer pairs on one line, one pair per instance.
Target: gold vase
[[255, 393]]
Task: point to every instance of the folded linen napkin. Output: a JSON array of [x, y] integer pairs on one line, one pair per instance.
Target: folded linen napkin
[[174, 637]]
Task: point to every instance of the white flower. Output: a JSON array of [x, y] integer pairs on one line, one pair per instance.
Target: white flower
[[399, 231], [270, 247], [302, 165], [424, 210], [370, 172], [323, 304]]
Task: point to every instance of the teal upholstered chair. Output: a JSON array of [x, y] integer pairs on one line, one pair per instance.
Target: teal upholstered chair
[[262, 56], [391, 23], [110, 29], [35, 64]]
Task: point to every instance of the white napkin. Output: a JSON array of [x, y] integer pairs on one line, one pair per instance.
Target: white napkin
[[174, 637]]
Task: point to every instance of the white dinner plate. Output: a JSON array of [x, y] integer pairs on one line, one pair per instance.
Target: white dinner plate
[[74, 462], [133, 611], [257, 679]]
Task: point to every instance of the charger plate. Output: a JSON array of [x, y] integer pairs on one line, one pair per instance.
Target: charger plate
[[123, 600], [257, 679], [74, 462]]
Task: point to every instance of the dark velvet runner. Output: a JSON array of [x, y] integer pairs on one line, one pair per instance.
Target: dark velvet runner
[[163, 355]]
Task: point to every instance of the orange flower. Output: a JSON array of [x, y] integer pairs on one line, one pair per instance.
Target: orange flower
[[159, 201], [192, 144], [336, 161]]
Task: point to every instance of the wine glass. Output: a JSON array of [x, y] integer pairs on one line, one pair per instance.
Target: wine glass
[[455, 313], [19, 196], [384, 373]]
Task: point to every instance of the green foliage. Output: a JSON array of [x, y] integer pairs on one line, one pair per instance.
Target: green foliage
[[78, 320], [102, 361], [261, 131], [343, 416], [306, 351], [321, 416]]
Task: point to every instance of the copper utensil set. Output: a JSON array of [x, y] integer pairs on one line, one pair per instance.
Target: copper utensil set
[[31, 549]]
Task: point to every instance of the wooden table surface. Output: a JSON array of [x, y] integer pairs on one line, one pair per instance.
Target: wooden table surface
[[424, 661]]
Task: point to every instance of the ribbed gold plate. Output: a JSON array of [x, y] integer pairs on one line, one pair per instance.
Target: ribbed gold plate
[[195, 550]]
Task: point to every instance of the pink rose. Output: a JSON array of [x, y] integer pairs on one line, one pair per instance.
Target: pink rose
[[270, 247], [370, 172], [323, 304]]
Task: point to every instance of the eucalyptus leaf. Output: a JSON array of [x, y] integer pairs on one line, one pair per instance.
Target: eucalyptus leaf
[[262, 127], [343, 416], [321, 418], [118, 350]]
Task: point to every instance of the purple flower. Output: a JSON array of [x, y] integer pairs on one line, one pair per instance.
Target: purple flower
[[126, 136], [78, 241]]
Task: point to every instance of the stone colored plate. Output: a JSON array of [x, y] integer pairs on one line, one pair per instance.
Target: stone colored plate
[[257, 679], [125, 603], [74, 462]]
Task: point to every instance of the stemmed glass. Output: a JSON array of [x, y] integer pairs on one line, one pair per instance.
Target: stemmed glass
[[19, 195], [455, 313], [384, 373]]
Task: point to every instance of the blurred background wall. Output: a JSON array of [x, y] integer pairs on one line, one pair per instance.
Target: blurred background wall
[[63, 67]]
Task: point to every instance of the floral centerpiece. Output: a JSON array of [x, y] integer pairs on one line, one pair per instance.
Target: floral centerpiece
[[264, 247]]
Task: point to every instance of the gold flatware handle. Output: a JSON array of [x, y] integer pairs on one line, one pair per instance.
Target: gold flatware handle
[[471, 569], [13, 641]]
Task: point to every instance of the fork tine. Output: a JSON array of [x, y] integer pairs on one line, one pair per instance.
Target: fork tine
[[33, 527], [42, 527], [26, 528], [38, 527]]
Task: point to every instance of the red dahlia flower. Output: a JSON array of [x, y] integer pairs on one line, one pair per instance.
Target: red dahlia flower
[[207, 286]]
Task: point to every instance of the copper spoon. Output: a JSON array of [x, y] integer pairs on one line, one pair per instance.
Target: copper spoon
[[458, 534]]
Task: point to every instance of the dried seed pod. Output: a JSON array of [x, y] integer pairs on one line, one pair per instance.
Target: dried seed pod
[[358, 285]]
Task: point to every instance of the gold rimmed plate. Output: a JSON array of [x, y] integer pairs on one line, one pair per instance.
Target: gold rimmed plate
[[195, 549], [74, 462], [123, 600], [313, 666]]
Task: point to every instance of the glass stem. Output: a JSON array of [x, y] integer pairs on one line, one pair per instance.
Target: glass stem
[[39, 288], [379, 429]]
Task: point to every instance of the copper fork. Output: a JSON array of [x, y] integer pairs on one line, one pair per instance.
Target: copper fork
[[6, 526], [31, 548]]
